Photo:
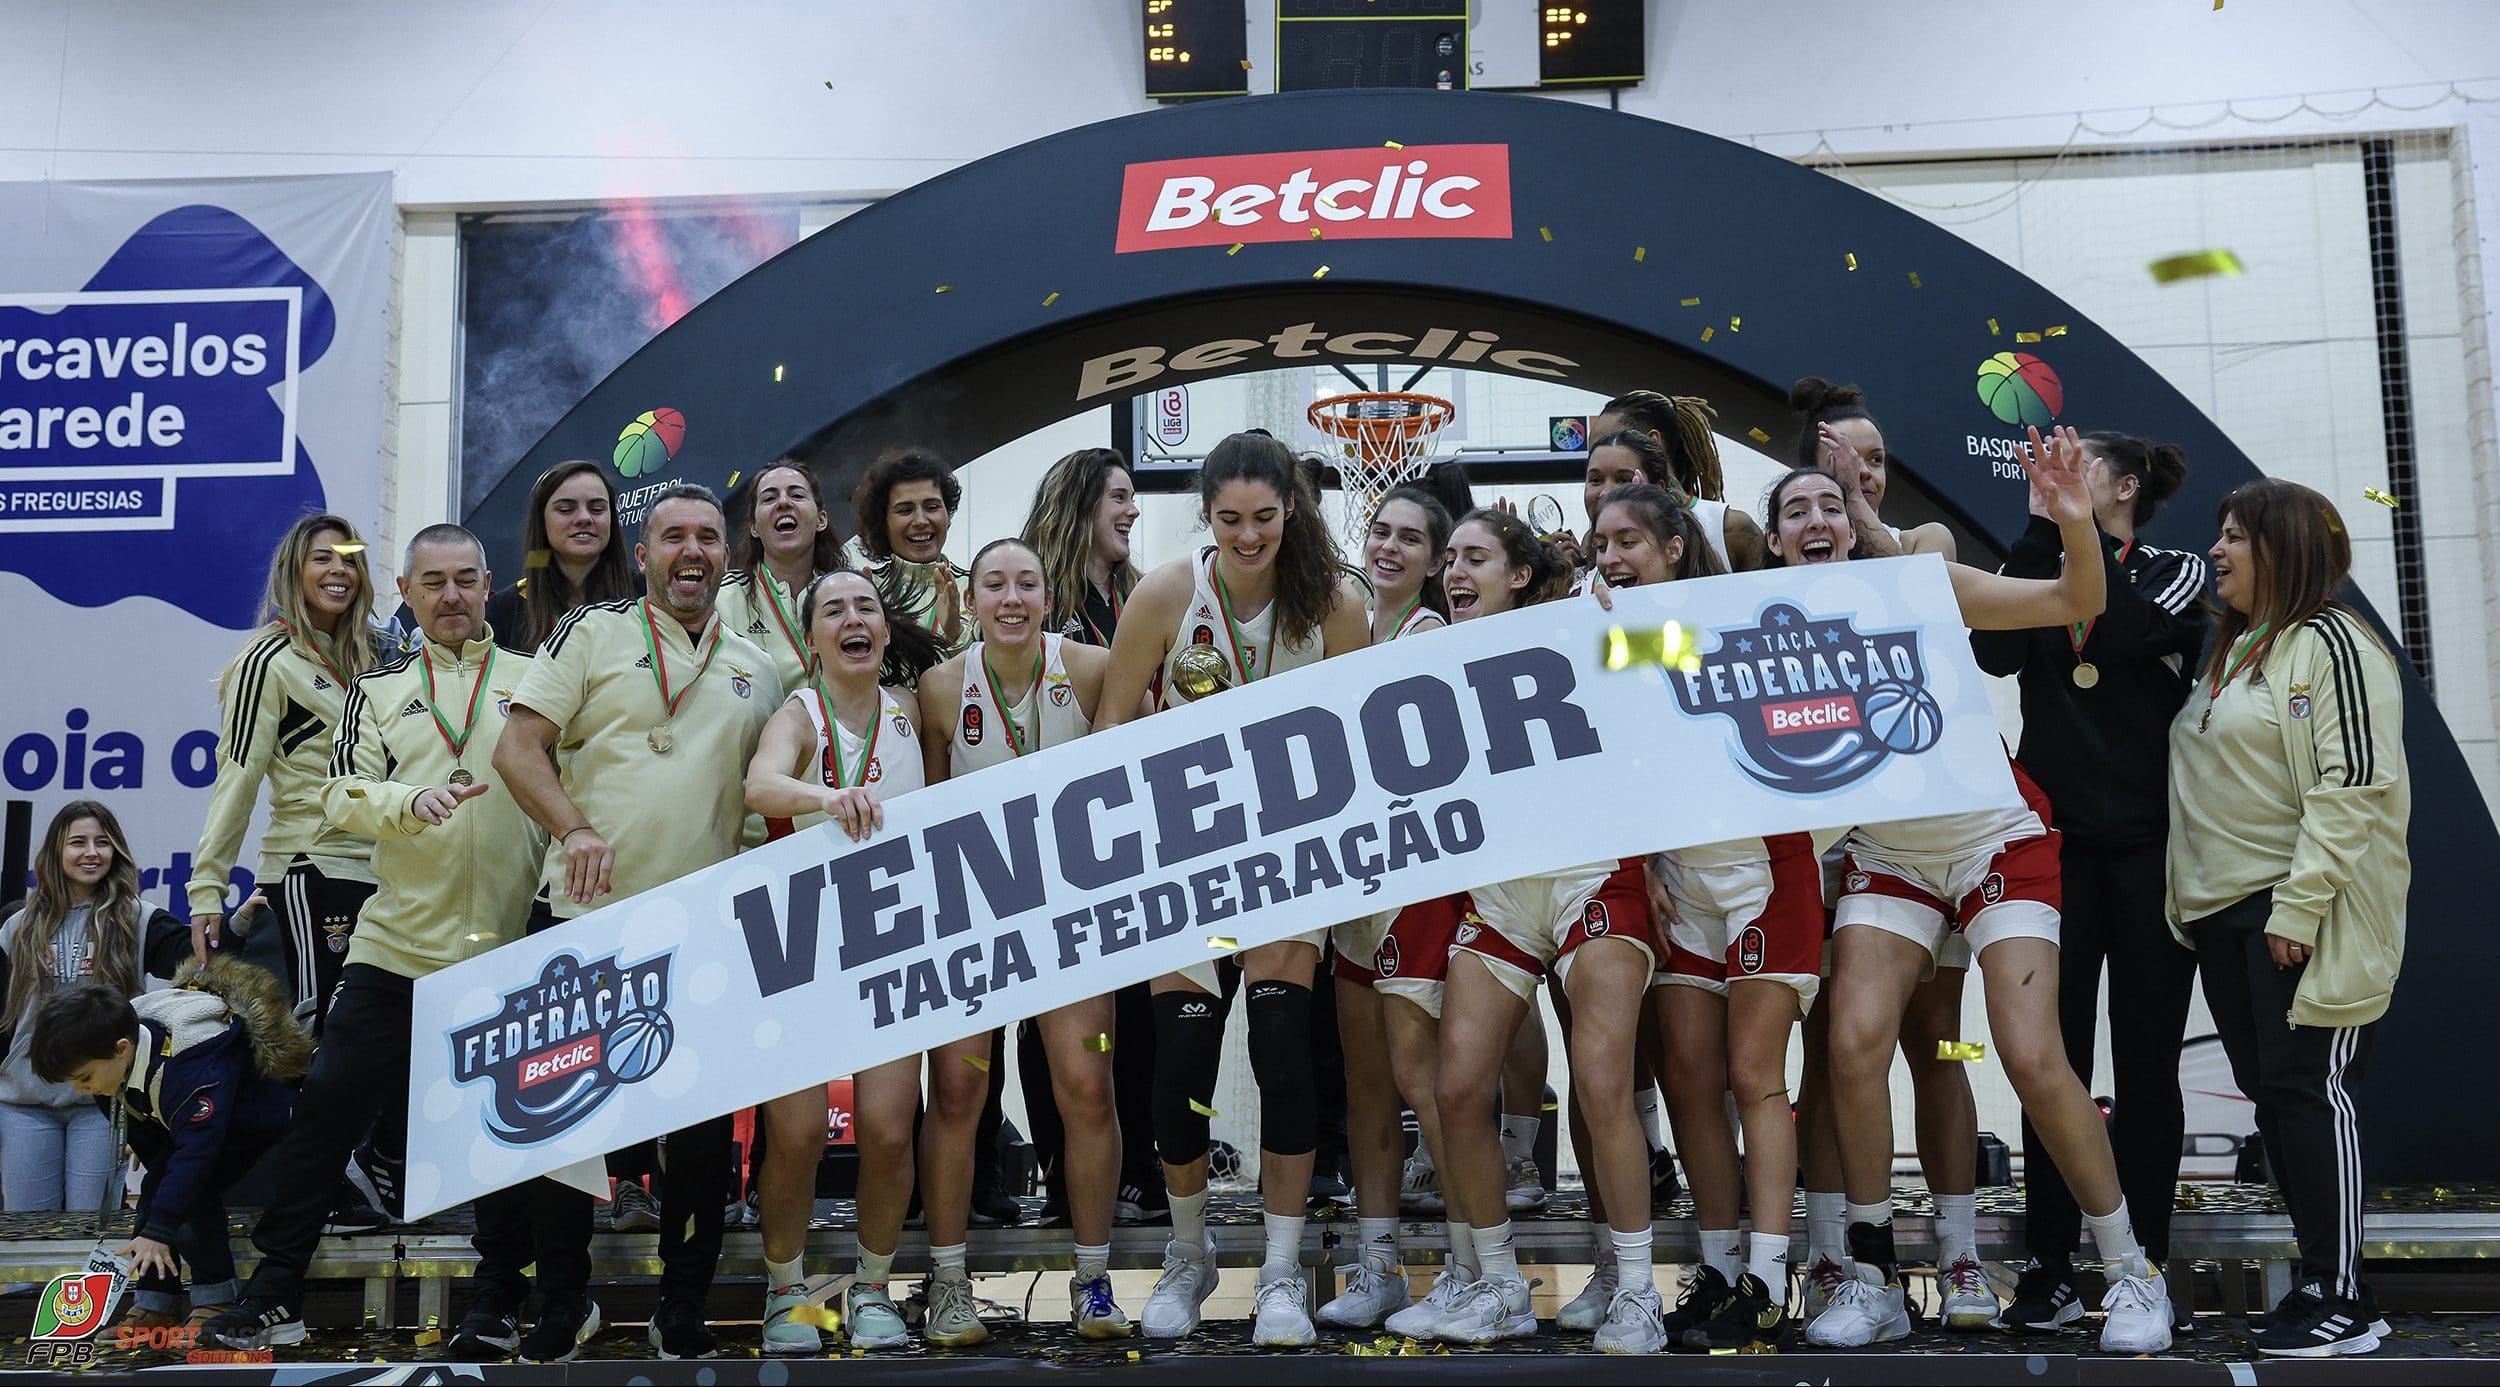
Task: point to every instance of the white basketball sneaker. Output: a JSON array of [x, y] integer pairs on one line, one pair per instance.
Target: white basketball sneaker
[[1495, 1308], [1172, 1310], [1419, 1187], [1863, 1311], [1970, 1303], [1425, 1318], [1590, 1307], [2137, 1309], [1284, 1314], [1635, 1323], [1372, 1294]]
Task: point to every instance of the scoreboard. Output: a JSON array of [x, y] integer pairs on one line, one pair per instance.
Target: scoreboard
[[1196, 48], [1204, 48]]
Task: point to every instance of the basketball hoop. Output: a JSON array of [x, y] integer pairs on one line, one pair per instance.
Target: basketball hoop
[[1386, 436]]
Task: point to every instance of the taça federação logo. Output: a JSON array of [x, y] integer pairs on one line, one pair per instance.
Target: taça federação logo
[[1817, 704], [650, 441], [2020, 388], [559, 1046]]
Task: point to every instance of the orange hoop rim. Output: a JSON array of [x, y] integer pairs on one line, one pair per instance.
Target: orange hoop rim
[[1434, 415]]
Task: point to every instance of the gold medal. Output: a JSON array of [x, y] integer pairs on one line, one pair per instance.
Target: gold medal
[[460, 776], [661, 739], [2087, 674]]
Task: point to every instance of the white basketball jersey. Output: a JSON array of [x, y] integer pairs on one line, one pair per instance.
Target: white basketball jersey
[[1418, 617], [892, 746], [1203, 624], [1712, 517], [1049, 714]]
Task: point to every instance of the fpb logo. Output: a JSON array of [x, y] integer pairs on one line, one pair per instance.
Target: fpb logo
[[559, 1046], [67, 1319], [1817, 704]]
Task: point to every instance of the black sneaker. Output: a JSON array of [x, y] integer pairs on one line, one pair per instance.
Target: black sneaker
[[489, 1331], [2301, 1301], [1706, 1292], [1749, 1318], [2044, 1302], [995, 1208], [678, 1331], [256, 1322], [1328, 1183], [563, 1327], [1664, 1188], [388, 1176], [1143, 1203], [2333, 1327], [349, 1213]]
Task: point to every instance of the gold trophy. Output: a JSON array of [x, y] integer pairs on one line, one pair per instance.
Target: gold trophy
[[1200, 670]]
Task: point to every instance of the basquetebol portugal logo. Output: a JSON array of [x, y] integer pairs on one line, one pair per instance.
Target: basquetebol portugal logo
[[1818, 704], [2021, 390], [558, 1047]]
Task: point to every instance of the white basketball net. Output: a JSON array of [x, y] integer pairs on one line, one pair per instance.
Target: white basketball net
[[1382, 441]]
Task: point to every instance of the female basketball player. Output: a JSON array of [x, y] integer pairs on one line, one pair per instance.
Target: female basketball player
[[1681, 426], [844, 743], [1402, 558], [1947, 1133], [790, 542], [1744, 944], [1018, 690], [1264, 596], [905, 504], [573, 555], [1080, 522], [1993, 877]]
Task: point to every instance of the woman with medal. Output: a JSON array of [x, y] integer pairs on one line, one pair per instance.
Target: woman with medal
[[2091, 693], [789, 543], [1403, 553], [2288, 868], [1266, 595], [905, 504], [1018, 690], [846, 741], [1990, 876]]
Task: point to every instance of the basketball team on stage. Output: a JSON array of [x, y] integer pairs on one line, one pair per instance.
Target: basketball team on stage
[[2212, 785]]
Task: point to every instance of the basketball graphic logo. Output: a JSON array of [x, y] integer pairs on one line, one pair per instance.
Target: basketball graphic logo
[[638, 1044], [648, 443], [558, 1046], [972, 724], [2019, 388], [1992, 888], [1903, 716], [1749, 949], [1594, 920]]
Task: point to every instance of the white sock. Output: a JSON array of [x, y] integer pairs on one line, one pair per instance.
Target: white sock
[[1645, 1103], [1766, 1256], [2114, 1234], [1494, 1256], [1092, 1260], [875, 1268], [1721, 1250], [1284, 1246], [1519, 1137], [947, 1260], [1462, 1248], [1827, 1226], [780, 1274], [1379, 1242], [1957, 1228], [1189, 1225], [1632, 1253]]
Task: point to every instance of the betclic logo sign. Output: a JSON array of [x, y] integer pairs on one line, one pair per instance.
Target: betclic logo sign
[[1344, 194]]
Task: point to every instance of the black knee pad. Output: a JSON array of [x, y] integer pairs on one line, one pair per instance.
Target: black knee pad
[[1280, 1055], [1189, 1048]]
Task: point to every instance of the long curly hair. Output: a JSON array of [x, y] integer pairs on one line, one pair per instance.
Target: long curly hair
[[1306, 558], [1060, 529], [112, 923]]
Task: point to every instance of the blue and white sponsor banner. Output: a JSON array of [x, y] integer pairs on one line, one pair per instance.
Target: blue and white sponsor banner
[[185, 367], [1798, 699]]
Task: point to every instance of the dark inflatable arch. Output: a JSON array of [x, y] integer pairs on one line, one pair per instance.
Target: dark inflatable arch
[[963, 313]]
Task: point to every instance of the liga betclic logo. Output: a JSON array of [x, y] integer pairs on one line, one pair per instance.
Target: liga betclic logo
[[1379, 193]]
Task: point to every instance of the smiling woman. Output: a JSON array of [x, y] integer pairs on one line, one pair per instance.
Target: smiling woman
[[905, 504]]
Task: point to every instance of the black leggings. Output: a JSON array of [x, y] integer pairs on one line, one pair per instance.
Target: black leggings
[[2113, 915]]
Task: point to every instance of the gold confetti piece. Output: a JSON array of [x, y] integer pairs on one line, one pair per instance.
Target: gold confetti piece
[[1245, 66], [1236, 250], [2203, 262], [1328, 202], [2383, 498], [1708, 333], [429, 1338], [1735, 324], [1099, 1043], [537, 558], [1688, 303], [1054, 298], [1914, 281], [946, 288], [1970, 1050], [1222, 941], [1391, 144], [1320, 273], [1670, 645], [1133, 1355], [978, 1063], [1852, 258], [1992, 328], [1553, 1107], [347, 548], [2026, 337], [1758, 435], [1202, 1109], [822, 1316], [2057, 331], [733, 481], [1639, 254], [1315, 233], [1546, 231]]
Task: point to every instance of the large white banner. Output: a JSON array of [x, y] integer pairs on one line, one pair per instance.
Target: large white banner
[[1805, 698], [185, 368]]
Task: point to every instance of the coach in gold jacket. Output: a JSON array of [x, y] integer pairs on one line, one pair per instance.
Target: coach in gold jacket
[[457, 860]]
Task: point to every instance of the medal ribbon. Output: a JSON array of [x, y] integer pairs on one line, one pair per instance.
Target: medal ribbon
[[1015, 738], [2248, 651], [833, 730], [318, 653], [1399, 627], [2082, 630], [659, 661], [1232, 628], [442, 725], [783, 618], [1085, 613]]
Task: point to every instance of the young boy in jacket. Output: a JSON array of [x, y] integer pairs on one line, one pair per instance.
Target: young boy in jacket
[[206, 1075]]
